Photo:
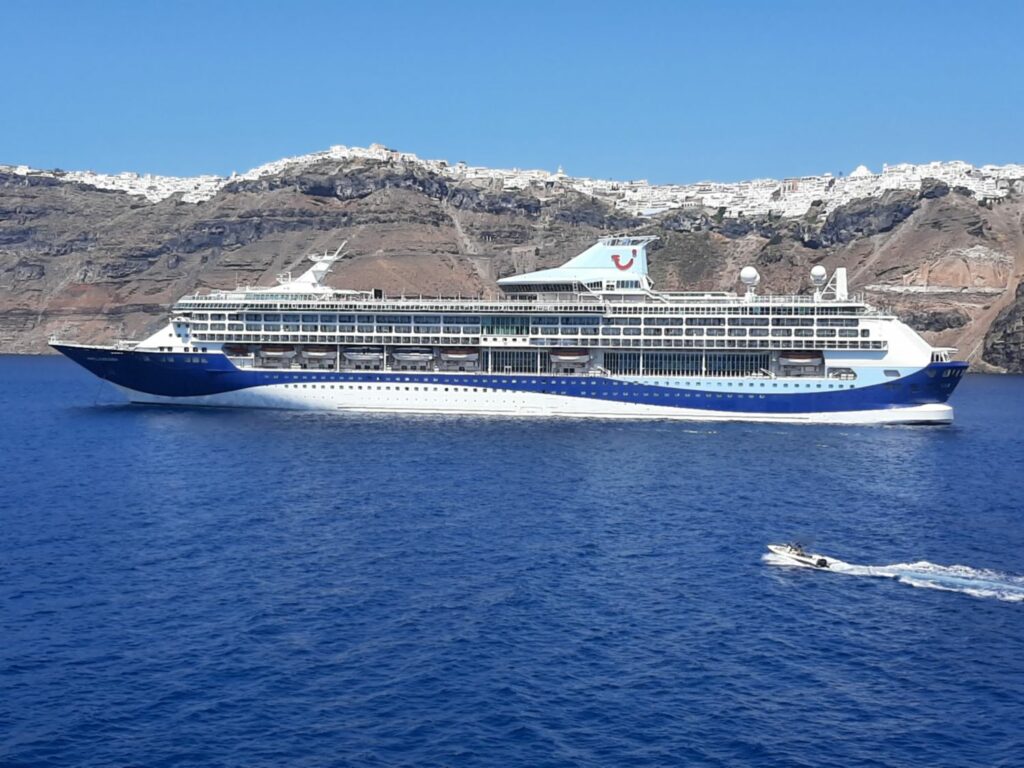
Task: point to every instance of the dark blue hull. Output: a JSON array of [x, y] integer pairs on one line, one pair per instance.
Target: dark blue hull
[[191, 375]]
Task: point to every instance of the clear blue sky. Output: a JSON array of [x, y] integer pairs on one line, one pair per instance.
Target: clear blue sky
[[669, 91]]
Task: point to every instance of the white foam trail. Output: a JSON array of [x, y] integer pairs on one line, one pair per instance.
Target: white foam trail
[[949, 578]]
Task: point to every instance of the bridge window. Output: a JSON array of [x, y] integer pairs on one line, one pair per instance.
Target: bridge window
[[500, 325]]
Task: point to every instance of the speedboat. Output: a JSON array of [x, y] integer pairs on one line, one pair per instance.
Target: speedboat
[[796, 553]]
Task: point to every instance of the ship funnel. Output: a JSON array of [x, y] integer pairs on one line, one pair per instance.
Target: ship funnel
[[623, 254], [611, 264]]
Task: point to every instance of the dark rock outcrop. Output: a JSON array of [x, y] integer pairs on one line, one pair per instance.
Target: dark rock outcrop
[[935, 320], [867, 217], [933, 188], [1004, 343]]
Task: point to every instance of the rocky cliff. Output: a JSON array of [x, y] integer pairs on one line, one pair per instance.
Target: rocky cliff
[[96, 264]]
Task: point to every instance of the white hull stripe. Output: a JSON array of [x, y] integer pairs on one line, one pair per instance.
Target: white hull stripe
[[436, 399]]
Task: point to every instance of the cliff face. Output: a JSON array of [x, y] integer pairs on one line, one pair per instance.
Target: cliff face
[[93, 264], [1004, 343]]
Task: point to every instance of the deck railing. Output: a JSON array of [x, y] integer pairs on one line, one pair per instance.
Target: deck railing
[[577, 304]]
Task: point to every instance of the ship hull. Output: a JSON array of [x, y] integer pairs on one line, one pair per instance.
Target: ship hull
[[433, 400], [212, 380]]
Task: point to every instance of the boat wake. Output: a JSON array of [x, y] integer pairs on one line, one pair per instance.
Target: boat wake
[[949, 578]]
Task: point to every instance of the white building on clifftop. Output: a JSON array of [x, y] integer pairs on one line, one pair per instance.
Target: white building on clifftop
[[788, 197]]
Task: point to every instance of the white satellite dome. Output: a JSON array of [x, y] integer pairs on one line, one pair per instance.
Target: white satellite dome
[[818, 275], [749, 277]]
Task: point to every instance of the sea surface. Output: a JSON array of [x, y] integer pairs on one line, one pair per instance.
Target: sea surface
[[256, 588]]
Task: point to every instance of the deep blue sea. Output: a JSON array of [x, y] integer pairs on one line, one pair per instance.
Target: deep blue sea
[[255, 588]]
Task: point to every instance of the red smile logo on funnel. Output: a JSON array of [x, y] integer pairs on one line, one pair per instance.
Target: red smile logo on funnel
[[617, 260]]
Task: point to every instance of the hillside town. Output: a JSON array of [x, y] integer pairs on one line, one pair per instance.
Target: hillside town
[[786, 197]]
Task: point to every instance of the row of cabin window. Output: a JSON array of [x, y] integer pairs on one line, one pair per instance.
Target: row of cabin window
[[717, 309], [604, 391], [583, 325], [235, 308], [583, 383], [548, 331], [807, 341], [505, 323], [758, 319], [175, 358], [332, 318], [850, 333]]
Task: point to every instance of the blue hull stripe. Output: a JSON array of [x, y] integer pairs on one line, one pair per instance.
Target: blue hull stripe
[[192, 375]]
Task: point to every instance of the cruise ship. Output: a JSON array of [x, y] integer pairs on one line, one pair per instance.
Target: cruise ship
[[591, 338]]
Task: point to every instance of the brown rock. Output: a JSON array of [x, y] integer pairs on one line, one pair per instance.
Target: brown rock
[[95, 264]]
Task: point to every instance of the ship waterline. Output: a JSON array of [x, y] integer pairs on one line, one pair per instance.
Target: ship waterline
[[589, 339]]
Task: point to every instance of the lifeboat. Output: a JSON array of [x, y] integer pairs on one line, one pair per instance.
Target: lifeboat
[[276, 351], [570, 355], [319, 353], [459, 355], [413, 355], [800, 358], [235, 350], [363, 355]]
